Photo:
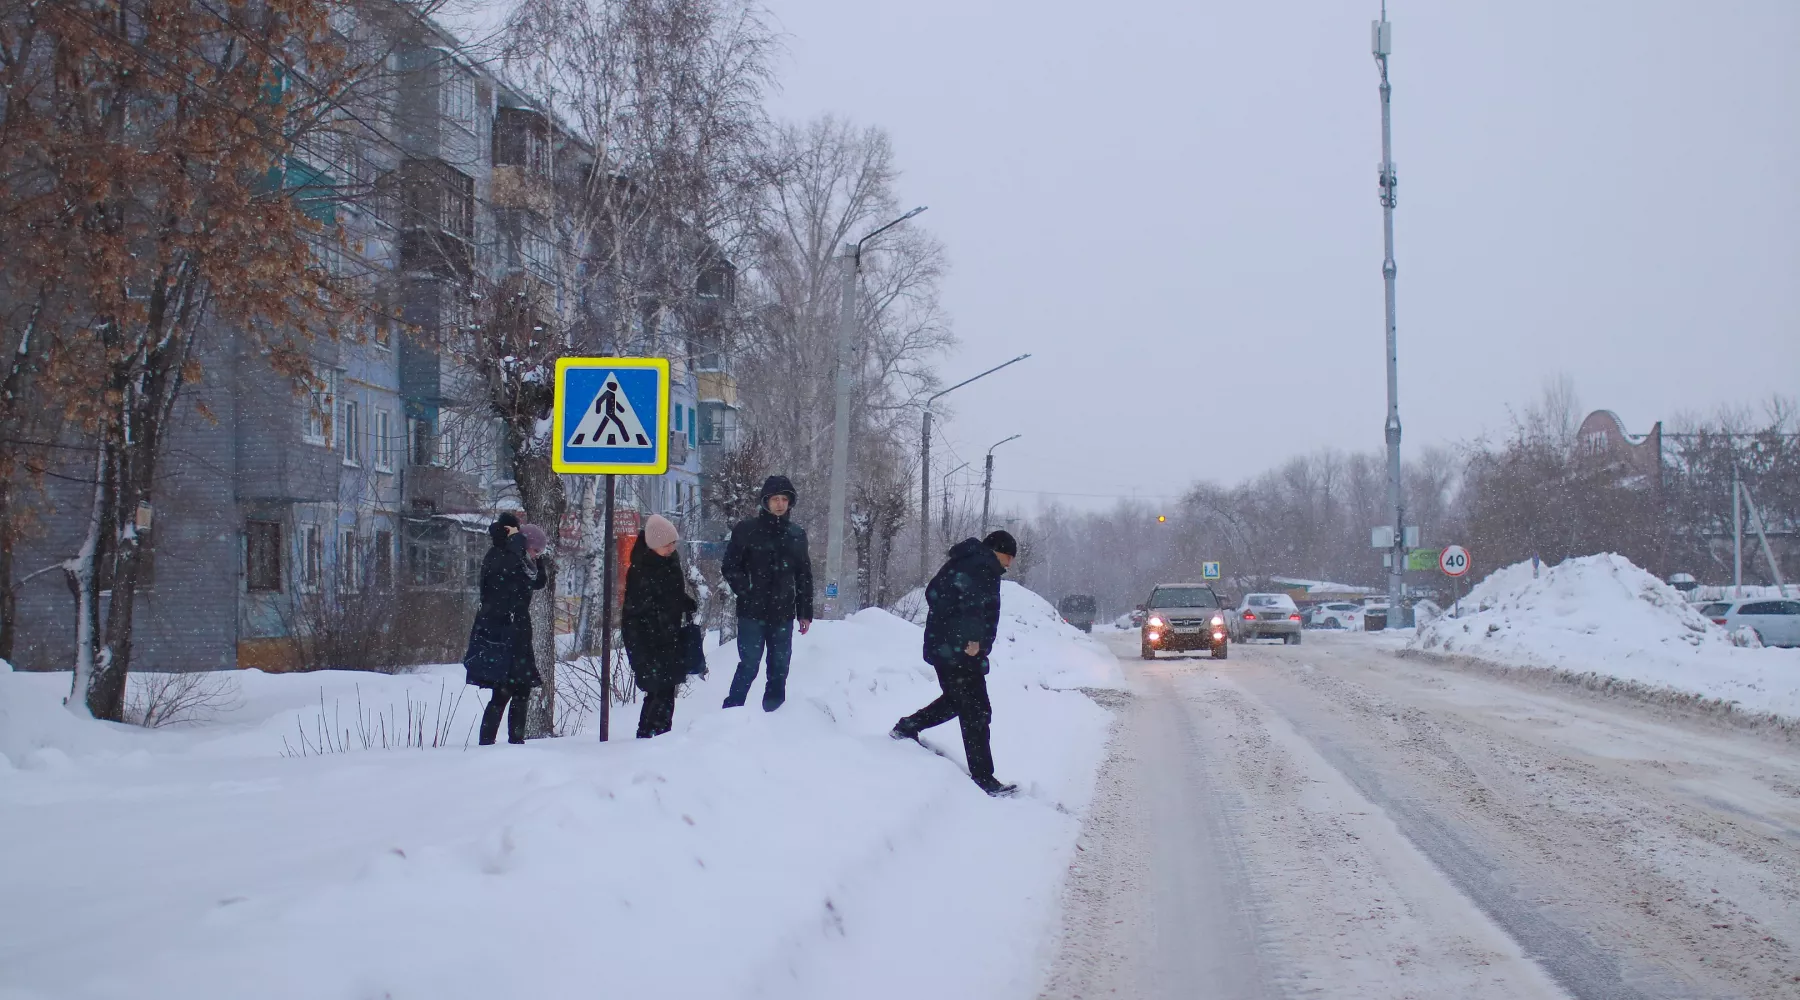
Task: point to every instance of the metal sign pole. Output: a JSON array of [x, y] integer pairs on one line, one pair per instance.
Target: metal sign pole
[[606, 613]]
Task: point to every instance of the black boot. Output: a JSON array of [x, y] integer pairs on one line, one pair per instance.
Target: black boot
[[994, 787]]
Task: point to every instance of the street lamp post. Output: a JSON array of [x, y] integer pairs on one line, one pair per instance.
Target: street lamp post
[[925, 469], [1382, 38], [987, 482], [840, 439]]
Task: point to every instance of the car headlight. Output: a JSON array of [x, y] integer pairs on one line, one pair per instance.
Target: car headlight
[[1218, 620], [1155, 622]]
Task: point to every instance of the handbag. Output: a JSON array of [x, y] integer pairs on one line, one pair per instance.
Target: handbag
[[691, 645]]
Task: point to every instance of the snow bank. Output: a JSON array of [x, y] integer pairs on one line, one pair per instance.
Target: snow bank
[[795, 854], [1602, 616]]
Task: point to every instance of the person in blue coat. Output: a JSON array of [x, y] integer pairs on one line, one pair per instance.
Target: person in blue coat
[[499, 656], [960, 627]]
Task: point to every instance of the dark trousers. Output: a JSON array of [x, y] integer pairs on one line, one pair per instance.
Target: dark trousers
[[658, 714], [519, 695], [965, 699], [753, 637]]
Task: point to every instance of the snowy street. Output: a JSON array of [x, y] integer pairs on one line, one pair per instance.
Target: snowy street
[[1332, 820]]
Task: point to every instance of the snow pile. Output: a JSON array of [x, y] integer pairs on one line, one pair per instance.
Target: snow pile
[[799, 853], [1604, 617]]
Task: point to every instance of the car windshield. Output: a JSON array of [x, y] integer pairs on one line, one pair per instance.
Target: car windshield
[[1183, 597], [1715, 610]]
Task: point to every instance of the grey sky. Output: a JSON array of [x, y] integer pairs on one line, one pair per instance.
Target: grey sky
[[1173, 206]]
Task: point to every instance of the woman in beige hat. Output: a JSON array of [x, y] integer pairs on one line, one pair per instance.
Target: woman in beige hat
[[656, 602]]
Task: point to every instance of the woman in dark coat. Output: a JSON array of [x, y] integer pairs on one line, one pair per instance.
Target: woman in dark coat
[[499, 656], [656, 602]]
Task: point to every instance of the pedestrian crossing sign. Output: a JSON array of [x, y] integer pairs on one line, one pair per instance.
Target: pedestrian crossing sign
[[1209, 570], [610, 416]]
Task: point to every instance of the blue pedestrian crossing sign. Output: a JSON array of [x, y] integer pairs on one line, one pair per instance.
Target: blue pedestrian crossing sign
[[611, 415], [1209, 570]]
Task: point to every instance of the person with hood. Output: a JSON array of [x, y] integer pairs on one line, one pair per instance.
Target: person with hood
[[770, 572], [656, 602], [499, 655], [963, 617]]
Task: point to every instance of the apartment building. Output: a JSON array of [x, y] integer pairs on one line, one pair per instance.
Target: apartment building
[[347, 520]]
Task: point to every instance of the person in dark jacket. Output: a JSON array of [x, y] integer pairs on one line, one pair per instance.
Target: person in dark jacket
[[656, 601], [768, 569], [963, 618], [499, 655]]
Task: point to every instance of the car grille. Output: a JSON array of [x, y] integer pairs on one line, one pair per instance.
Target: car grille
[[1186, 622]]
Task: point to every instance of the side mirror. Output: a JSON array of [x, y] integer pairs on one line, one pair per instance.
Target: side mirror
[[1138, 608]]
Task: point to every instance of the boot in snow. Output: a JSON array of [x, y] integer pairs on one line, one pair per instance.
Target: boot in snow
[[993, 786]]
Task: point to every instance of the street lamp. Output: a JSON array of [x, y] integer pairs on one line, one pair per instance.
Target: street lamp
[[987, 484], [925, 469], [840, 440]]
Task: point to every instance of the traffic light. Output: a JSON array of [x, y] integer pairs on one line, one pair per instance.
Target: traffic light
[[1162, 518]]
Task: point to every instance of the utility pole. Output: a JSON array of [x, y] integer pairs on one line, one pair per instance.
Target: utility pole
[[1737, 534], [1382, 39], [925, 468], [987, 482], [840, 430]]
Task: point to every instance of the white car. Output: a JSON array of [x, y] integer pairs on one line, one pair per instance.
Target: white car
[[1267, 616], [1776, 623], [1337, 614]]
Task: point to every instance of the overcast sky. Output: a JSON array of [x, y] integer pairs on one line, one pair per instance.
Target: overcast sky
[[1172, 206]]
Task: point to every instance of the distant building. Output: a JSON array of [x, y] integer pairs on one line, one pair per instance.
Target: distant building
[[1602, 436]]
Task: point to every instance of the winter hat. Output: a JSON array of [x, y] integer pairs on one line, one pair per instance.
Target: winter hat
[[659, 531], [1001, 542], [535, 539], [497, 530], [776, 486]]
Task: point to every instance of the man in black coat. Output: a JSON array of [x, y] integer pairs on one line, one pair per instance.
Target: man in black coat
[[964, 618], [499, 655], [768, 569]]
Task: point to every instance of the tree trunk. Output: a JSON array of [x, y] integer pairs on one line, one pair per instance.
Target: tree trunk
[[541, 491], [80, 572]]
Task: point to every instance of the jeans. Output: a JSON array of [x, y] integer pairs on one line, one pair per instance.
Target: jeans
[[753, 637], [520, 696], [965, 699]]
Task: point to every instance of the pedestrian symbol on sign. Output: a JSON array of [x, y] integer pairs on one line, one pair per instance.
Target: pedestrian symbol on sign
[[1209, 570], [610, 422]]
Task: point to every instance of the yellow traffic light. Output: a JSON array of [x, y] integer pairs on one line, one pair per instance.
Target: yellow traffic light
[[1160, 518]]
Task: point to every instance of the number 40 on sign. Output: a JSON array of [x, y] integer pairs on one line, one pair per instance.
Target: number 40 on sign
[[1454, 560]]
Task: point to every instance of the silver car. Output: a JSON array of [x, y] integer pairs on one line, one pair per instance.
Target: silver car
[[1776, 623], [1267, 616]]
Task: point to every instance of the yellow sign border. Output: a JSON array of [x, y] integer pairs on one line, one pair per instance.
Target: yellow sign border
[[557, 438]]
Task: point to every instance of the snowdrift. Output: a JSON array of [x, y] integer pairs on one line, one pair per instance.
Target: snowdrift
[[795, 854], [1602, 617]]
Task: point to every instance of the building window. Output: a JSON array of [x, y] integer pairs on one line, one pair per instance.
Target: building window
[[352, 437], [262, 556], [350, 565], [384, 439], [321, 396], [690, 428], [424, 442], [678, 417], [312, 558], [383, 552]]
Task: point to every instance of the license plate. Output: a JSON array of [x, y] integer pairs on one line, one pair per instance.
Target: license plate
[[1186, 629]]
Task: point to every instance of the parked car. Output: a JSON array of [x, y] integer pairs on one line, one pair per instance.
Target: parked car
[[1776, 623], [1264, 616], [1137, 617], [1335, 614], [1078, 610], [1183, 616]]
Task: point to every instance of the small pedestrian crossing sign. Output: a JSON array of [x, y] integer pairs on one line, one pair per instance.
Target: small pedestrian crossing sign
[[611, 416], [1209, 571]]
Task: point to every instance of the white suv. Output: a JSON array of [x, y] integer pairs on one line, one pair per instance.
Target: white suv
[[1776, 623], [1337, 614]]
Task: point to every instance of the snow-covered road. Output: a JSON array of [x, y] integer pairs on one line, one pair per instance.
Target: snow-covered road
[[1331, 820]]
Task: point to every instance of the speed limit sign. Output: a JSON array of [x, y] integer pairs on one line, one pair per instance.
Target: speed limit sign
[[1454, 560]]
